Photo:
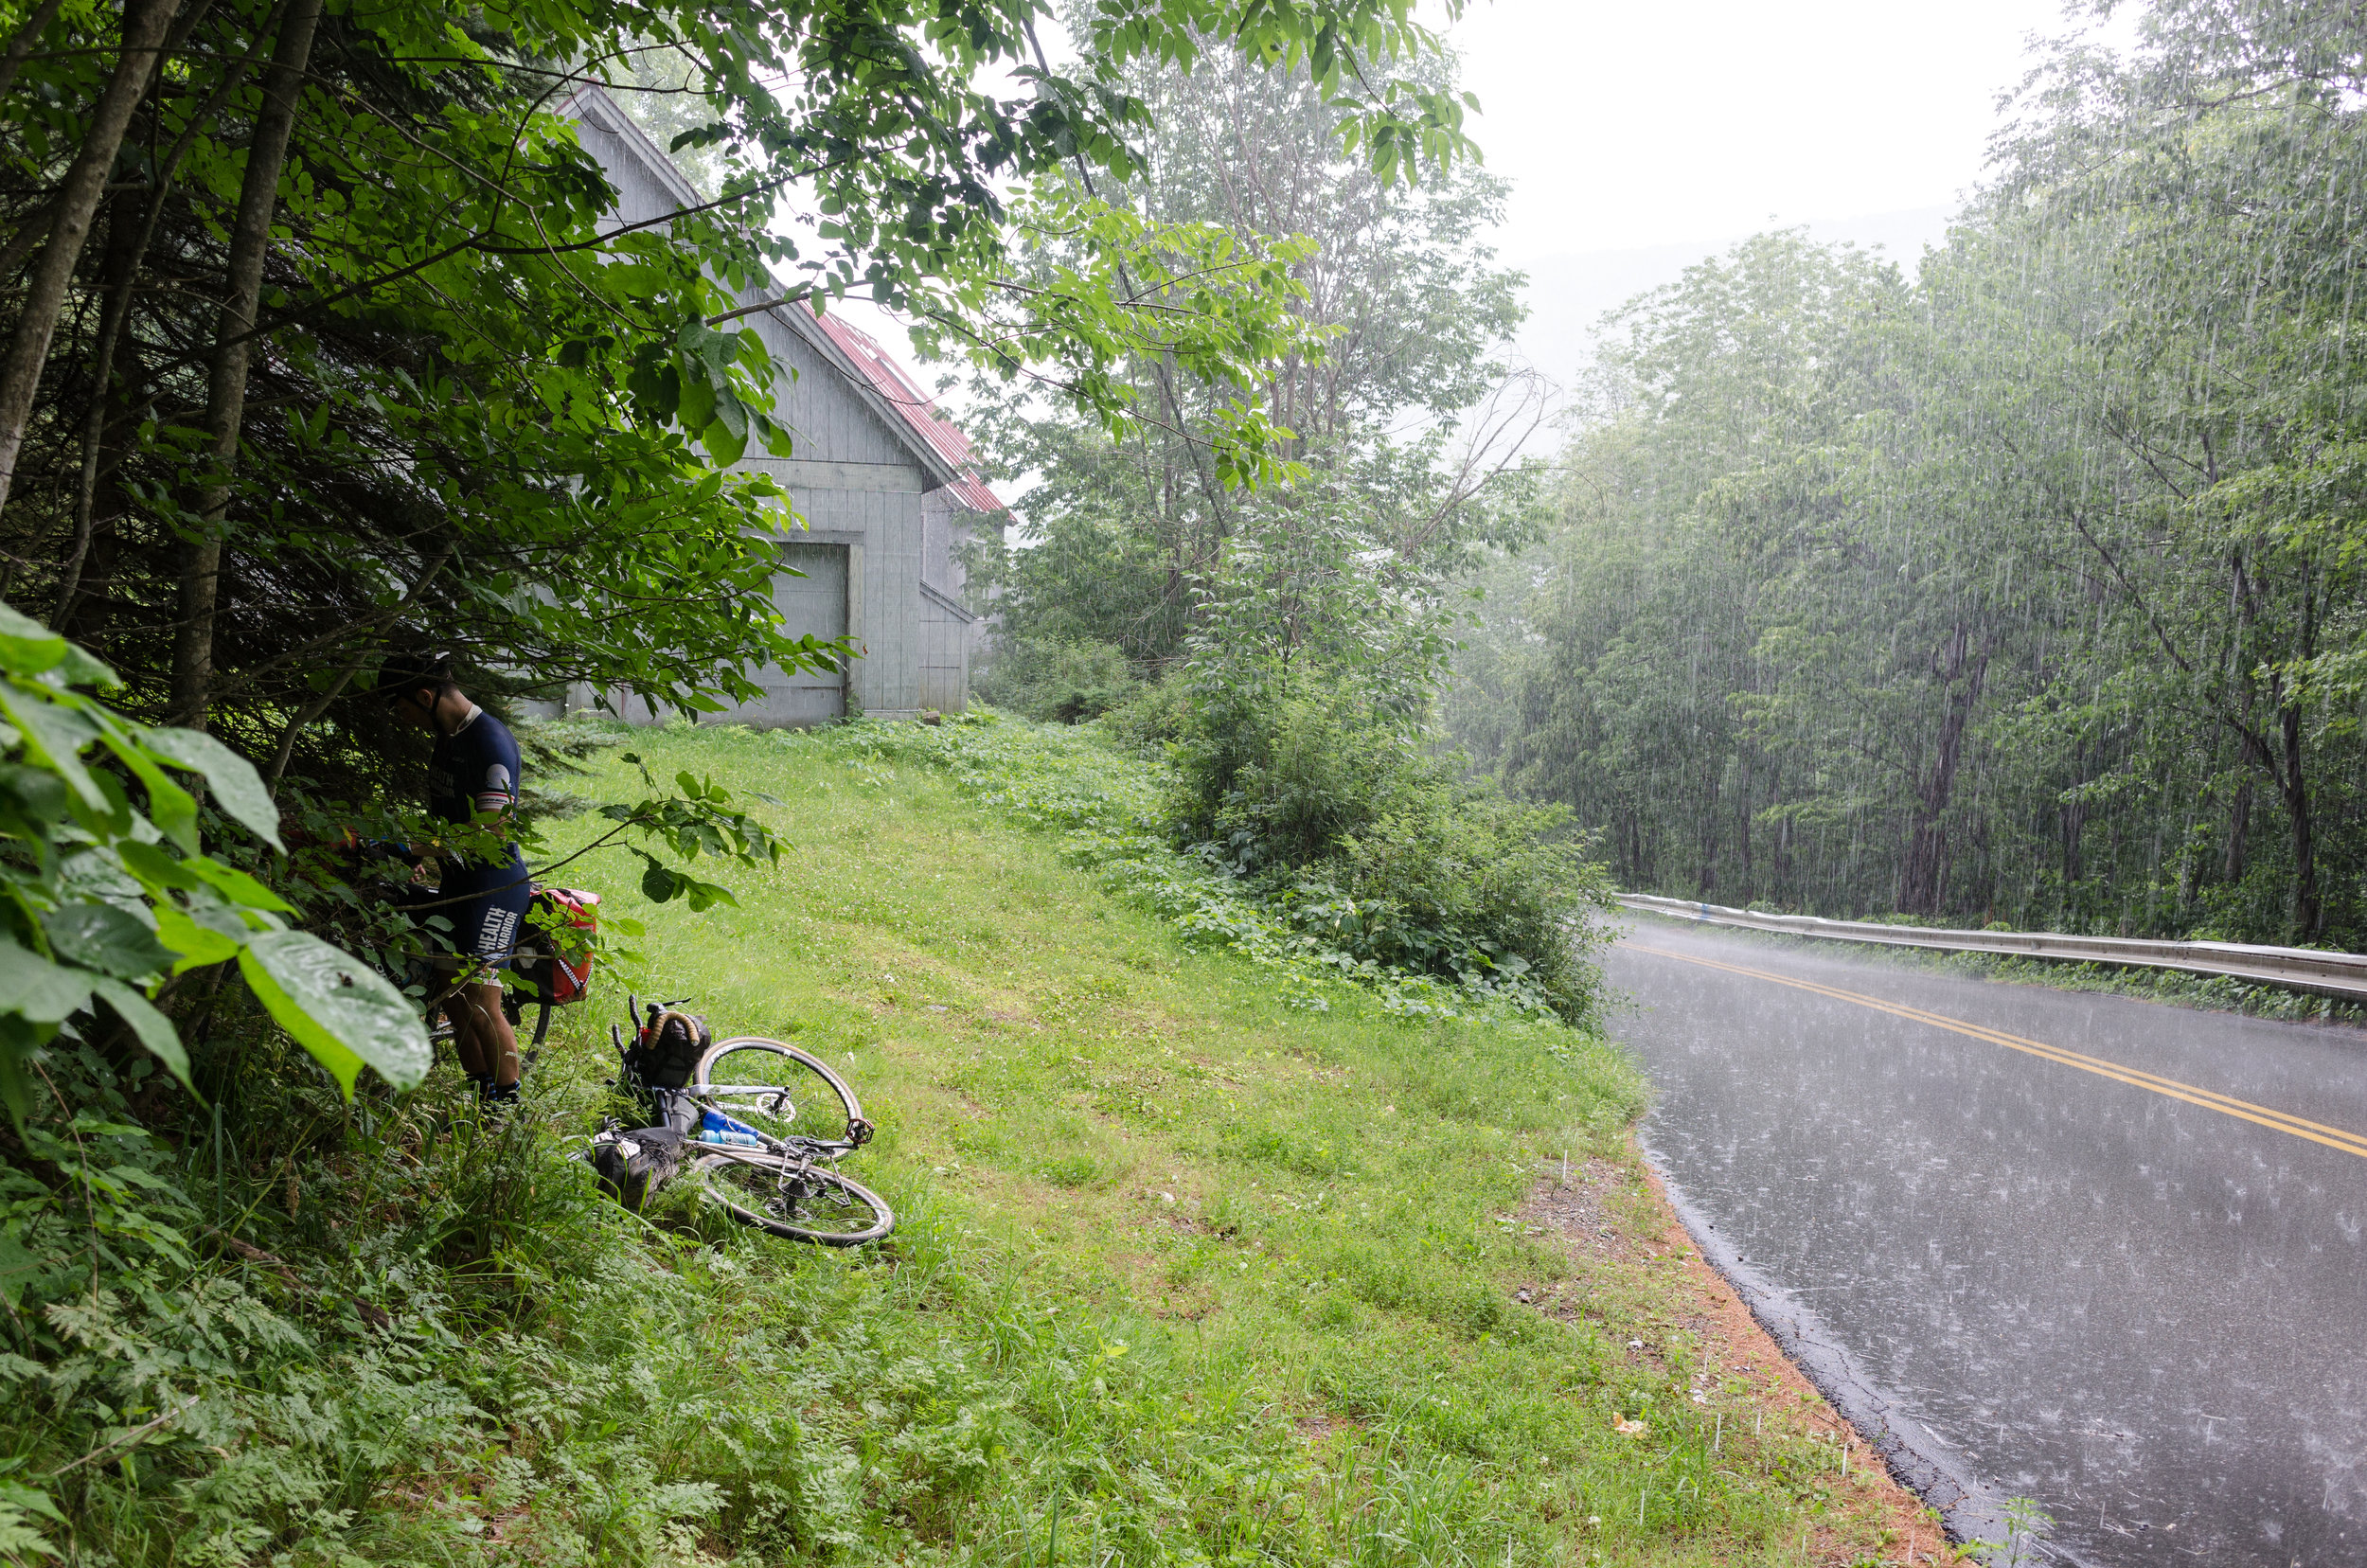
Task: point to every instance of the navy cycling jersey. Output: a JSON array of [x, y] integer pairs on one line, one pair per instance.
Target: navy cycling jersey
[[474, 773]]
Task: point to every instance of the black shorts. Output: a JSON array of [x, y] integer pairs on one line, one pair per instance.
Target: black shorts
[[489, 916]]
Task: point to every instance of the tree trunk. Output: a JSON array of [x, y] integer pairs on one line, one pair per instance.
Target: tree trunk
[[226, 392], [2309, 907], [1927, 842], [2238, 831], [1706, 882], [145, 25], [118, 358], [1742, 832]]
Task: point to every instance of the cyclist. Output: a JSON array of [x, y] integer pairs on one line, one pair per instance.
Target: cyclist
[[472, 778]]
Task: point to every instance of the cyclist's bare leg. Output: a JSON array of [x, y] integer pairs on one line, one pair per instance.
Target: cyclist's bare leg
[[464, 1039], [481, 1034]]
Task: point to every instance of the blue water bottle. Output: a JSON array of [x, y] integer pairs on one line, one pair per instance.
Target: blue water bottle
[[717, 1128]]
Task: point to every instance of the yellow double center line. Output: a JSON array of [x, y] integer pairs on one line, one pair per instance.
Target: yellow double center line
[[2333, 1137]]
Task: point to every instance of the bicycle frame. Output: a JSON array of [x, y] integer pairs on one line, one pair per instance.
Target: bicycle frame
[[696, 1113], [765, 1180]]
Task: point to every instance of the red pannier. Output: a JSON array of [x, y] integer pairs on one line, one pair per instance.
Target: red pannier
[[564, 918]]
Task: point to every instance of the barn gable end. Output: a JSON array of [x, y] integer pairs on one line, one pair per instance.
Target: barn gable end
[[883, 488]]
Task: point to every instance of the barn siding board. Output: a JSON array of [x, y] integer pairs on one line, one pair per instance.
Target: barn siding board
[[813, 604], [812, 400]]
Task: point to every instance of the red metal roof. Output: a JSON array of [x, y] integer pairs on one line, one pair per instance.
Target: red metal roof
[[887, 378]]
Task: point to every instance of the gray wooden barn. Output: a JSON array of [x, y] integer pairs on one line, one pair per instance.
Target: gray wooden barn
[[885, 487]]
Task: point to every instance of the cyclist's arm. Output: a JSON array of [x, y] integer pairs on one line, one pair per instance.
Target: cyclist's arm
[[497, 792]]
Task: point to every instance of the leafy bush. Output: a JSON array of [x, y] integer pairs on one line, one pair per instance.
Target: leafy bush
[[1064, 679], [1154, 716], [1349, 827], [107, 901], [1451, 905], [244, 1297]]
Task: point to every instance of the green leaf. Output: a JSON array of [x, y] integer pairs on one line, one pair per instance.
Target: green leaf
[[38, 793], [339, 1008], [108, 939], [20, 1541], [236, 786], [236, 885], [27, 647], [658, 884], [153, 867], [196, 945], [35, 988], [696, 408], [19, 1039], [17, 1269], [705, 895], [54, 736], [173, 809], [154, 1029], [724, 445], [31, 1500], [81, 668]]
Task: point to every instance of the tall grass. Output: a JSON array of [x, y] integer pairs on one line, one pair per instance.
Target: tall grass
[[1187, 1271]]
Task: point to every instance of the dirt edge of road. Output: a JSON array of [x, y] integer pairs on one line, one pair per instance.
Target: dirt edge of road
[[1634, 1262]]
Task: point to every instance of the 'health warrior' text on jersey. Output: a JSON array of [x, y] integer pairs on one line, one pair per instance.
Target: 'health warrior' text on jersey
[[474, 773]]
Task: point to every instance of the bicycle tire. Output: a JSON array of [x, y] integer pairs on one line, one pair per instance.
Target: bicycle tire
[[815, 1107], [793, 1199]]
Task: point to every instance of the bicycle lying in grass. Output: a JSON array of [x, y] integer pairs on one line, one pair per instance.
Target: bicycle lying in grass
[[761, 1123]]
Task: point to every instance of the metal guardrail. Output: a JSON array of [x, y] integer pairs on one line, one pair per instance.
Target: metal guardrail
[[2342, 974]]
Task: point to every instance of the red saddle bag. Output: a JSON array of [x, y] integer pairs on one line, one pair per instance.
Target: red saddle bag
[[565, 920]]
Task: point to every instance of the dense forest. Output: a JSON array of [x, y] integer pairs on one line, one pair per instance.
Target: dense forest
[[2019, 583]]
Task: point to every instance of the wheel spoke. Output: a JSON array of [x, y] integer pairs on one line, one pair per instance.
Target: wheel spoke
[[796, 1198], [780, 1091]]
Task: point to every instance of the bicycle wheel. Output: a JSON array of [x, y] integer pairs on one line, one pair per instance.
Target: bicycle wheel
[[794, 1198], [781, 1092]]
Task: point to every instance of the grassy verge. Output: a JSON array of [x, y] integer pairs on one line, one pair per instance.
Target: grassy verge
[[1190, 1269]]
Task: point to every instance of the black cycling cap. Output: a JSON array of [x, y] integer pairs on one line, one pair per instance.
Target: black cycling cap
[[404, 673]]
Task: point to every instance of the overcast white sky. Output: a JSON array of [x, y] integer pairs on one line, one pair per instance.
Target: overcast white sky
[[1627, 126]]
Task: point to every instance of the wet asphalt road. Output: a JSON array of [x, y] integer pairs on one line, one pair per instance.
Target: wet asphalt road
[[2148, 1314]]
